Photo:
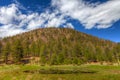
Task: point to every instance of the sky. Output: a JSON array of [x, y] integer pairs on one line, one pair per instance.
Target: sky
[[99, 18]]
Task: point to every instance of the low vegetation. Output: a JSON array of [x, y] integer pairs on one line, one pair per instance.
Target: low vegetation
[[31, 72]]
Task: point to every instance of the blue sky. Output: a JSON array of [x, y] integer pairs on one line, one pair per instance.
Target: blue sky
[[99, 18]]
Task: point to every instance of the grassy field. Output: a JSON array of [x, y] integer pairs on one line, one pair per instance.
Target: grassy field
[[63, 72]]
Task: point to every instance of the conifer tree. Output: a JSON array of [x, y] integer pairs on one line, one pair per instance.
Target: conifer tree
[[42, 55], [117, 53], [26, 49], [54, 59], [17, 51], [5, 52], [0, 47]]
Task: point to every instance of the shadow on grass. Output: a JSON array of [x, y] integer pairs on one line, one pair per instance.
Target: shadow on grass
[[58, 71]]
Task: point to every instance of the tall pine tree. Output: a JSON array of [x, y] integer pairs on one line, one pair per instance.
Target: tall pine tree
[[17, 51], [6, 52]]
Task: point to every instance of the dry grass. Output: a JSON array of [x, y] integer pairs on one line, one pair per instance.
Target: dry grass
[[15, 72]]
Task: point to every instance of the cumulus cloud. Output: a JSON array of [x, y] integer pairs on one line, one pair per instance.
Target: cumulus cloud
[[7, 14], [9, 30], [13, 21], [90, 15]]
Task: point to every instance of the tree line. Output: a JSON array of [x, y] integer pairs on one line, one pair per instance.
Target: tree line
[[56, 46]]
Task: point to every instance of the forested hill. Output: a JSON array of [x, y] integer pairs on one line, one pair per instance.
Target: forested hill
[[58, 46]]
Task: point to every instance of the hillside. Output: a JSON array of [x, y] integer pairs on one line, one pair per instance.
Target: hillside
[[57, 46]]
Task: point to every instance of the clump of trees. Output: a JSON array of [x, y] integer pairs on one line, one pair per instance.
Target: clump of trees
[[55, 46]]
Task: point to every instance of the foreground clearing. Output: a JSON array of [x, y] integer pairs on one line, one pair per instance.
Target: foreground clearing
[[61, 72]]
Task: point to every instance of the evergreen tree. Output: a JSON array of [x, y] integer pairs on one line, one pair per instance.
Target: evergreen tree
[[99, 55], [117, 53], [54, 59], [6, 51], [17, 51], [0, 47], [42, 55], [109, 56], [26, 50], [60, 58]]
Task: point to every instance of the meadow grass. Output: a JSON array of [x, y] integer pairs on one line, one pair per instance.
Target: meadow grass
[[16, 72]]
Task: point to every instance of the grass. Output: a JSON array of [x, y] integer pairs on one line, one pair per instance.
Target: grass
[[63, 72]]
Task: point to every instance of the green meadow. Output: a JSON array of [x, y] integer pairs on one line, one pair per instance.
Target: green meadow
[[59, 72]]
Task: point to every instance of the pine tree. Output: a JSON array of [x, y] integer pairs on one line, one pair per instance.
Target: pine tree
[[17, 51], [26, 49], [42, 55], [0, 47], [54, 59], [117, 53], [6, 51], [99, 54], [109, 56], [60, 58]]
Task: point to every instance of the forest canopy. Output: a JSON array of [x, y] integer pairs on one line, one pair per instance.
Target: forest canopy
[[55, 46]]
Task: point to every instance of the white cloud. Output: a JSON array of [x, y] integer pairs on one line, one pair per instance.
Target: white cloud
[[7, 14], [54, 20], [13, 20], [9, 30], [90, 15], [69, 25]]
